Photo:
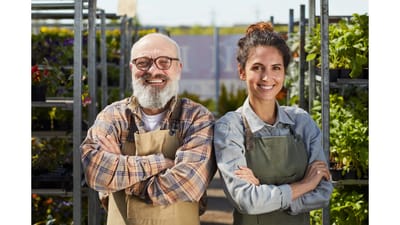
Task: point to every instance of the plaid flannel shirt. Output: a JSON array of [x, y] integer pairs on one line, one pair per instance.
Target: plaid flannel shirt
[[187, 180]]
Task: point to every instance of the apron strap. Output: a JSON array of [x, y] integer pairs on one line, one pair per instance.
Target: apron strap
[[132, 129], [173, 122], [249, 142], [175, 117]]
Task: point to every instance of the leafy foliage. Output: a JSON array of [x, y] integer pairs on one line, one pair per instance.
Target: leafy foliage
[[208, 103], [230, 101], [348, 45], [347, 206], [348, 131]]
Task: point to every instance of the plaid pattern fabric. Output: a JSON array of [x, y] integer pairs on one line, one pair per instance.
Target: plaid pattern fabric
[[194, 161]]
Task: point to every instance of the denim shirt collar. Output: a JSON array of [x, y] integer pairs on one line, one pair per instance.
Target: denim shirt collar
[[255, 123]]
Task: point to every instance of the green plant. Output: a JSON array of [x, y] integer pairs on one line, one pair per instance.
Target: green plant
[[230, 101], [208, 103], [348, 45], [348, 131], [49, 154], [347, 206]]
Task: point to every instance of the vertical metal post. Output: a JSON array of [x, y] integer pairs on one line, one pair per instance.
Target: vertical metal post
[[291, 21], [302, 57], [290, 36], [216, 63], [103, 58], [311, 64], [93, 199], [77, 113], [128, 54], [325, 89], [92, 60], [122, 58]]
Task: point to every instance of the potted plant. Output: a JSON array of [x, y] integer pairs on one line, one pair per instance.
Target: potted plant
[[45, 80], [348, 46], [39, 83], [348, 134]]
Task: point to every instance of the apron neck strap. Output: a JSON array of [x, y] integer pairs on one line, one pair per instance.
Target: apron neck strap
[[175, 117], [173, 122]]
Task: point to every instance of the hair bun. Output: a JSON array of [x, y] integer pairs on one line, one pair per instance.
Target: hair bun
[[260, 26]]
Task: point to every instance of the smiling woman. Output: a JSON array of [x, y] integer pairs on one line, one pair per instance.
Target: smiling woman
[[269, 156]]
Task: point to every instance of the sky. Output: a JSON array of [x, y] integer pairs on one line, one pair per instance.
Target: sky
[[227, 12]]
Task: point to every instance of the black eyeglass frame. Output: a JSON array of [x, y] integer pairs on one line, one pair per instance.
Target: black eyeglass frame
[[154, 61]]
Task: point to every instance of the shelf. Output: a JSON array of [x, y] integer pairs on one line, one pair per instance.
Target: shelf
[[342, 183], [50, 191], [55, 134], [57, 191], [60, 134], [65, 103], [340, 82]]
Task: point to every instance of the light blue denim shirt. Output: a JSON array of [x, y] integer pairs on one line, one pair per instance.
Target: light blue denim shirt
[[229, 143]]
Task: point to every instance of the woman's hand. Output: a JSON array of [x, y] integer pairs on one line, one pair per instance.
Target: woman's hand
[[247, 175], [316, 171]]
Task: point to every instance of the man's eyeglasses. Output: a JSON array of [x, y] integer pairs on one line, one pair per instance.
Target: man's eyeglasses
[[162, 62]]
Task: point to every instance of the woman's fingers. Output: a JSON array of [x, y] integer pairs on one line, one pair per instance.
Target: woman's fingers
[[246, 174]]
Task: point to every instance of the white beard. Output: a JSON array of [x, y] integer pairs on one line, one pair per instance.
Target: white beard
[[154, 97]]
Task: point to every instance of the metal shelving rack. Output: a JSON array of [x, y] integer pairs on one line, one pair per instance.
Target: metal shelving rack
[[81, 9], [323, 80], [85, 11]]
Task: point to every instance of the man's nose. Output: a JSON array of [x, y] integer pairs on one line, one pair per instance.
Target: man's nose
[[152, 68]]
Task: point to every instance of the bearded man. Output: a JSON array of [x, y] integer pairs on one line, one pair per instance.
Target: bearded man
[[150, 155]]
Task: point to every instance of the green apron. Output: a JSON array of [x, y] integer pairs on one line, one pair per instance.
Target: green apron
[[126, 209], [275, 160]]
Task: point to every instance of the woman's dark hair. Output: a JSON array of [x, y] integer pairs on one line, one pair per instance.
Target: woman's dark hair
[[261, 34]]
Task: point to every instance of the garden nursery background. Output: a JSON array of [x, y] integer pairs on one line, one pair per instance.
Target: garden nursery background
[[213, 83]]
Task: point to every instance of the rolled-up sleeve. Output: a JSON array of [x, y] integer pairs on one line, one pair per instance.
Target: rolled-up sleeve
[[320, 196]]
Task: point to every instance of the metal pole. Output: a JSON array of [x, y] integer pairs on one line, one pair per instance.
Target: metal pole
[[103, 58], [291, 21], [325, 89], [93, 199], [311, 64], [216, 63], [128, 54], [77, 114], [302, 57], [122, 59]]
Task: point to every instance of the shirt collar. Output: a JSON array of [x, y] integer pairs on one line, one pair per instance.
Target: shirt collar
[[255, 123], [134, 106]]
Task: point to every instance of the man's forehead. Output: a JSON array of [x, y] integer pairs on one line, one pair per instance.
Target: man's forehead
[[154, 44]]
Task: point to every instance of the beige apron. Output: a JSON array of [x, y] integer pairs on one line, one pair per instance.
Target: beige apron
[[275, 160], [126, 209]]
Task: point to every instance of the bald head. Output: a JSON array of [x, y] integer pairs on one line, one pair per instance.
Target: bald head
[[154, 43]]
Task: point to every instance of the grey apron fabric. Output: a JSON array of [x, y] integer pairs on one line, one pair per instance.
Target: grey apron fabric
[[275, 160], [126, 209]]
